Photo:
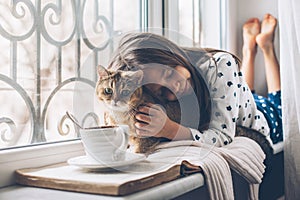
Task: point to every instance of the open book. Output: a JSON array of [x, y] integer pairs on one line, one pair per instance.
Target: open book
[[133, 178]]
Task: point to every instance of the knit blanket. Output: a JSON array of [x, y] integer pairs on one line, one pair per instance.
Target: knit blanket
[[243, 155]]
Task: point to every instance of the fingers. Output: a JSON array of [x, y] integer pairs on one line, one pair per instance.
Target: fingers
[[148, 129], [149, 107], [150, 120], [150, 113], [143, 118], [144, 130]]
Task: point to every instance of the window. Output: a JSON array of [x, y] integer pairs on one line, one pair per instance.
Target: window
[[45, 44], [48, 42], [197, 21]]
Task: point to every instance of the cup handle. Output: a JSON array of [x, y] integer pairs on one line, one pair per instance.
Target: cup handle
[[119, 154]]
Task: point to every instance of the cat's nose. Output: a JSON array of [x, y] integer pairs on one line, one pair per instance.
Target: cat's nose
[[113, 103]]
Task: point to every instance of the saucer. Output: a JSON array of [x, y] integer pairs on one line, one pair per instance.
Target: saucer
[[88, 163]]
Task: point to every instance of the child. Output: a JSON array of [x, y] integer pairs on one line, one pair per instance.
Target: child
[[175, 73], [263, 35]]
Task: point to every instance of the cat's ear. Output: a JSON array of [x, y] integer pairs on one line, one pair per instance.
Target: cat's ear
[[102, 71], [137, 76]]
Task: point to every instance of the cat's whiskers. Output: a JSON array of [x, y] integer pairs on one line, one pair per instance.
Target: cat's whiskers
[[132, 110], [119, 108]]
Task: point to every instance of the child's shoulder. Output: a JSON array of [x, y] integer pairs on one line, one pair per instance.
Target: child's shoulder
[[220, 67], [224, 56], [226, 60]]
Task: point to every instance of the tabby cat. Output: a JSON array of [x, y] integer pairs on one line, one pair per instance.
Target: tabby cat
[[122, 93]]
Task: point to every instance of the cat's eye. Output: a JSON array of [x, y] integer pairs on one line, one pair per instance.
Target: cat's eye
[[125, 93], [108, 91]]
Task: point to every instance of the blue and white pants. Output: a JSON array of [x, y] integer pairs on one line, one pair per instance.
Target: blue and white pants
[[271, 108]]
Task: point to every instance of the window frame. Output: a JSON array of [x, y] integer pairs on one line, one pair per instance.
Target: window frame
[[41, 154], [35, 156], [156, 14]]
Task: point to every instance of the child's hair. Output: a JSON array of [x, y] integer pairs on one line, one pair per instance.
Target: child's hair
[[137, 49]]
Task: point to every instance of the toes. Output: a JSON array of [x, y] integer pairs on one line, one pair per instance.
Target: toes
[[268, 15], [269, 18], [269, 23], [252, 27], [256, 20], [251, 20]]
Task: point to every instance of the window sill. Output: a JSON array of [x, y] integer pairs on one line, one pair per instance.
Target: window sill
[[35, 156], [41, 155], [189, 186]]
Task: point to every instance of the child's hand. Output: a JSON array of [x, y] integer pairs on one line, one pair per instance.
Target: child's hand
[[153, 121]]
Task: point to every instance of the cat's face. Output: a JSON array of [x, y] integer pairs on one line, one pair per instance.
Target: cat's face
[[118, 89]]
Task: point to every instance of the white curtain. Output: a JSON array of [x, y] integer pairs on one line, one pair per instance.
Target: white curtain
[[289, 27]]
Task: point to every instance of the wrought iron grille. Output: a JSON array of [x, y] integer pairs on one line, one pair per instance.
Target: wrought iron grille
[[44, 44]]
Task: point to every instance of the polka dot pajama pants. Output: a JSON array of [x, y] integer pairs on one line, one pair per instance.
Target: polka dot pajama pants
[[271, 108]]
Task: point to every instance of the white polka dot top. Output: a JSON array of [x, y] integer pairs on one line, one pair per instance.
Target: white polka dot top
[[232, 101]]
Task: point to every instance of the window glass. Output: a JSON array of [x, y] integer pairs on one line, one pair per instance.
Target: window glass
[[44, 44], [186, 18], [198, 20]]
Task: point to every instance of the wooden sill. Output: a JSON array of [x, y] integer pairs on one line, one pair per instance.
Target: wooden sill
[[170, 190]]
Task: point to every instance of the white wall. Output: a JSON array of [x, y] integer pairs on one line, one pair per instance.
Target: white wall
[[246, 9]]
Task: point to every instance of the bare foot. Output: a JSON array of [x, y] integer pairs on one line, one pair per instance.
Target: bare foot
[[251, 29], [266, 37]]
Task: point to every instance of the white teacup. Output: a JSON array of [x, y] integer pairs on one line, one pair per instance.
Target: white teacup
[[105, 144]]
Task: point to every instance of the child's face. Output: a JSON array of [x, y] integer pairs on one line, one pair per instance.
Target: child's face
[[170, 83]]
